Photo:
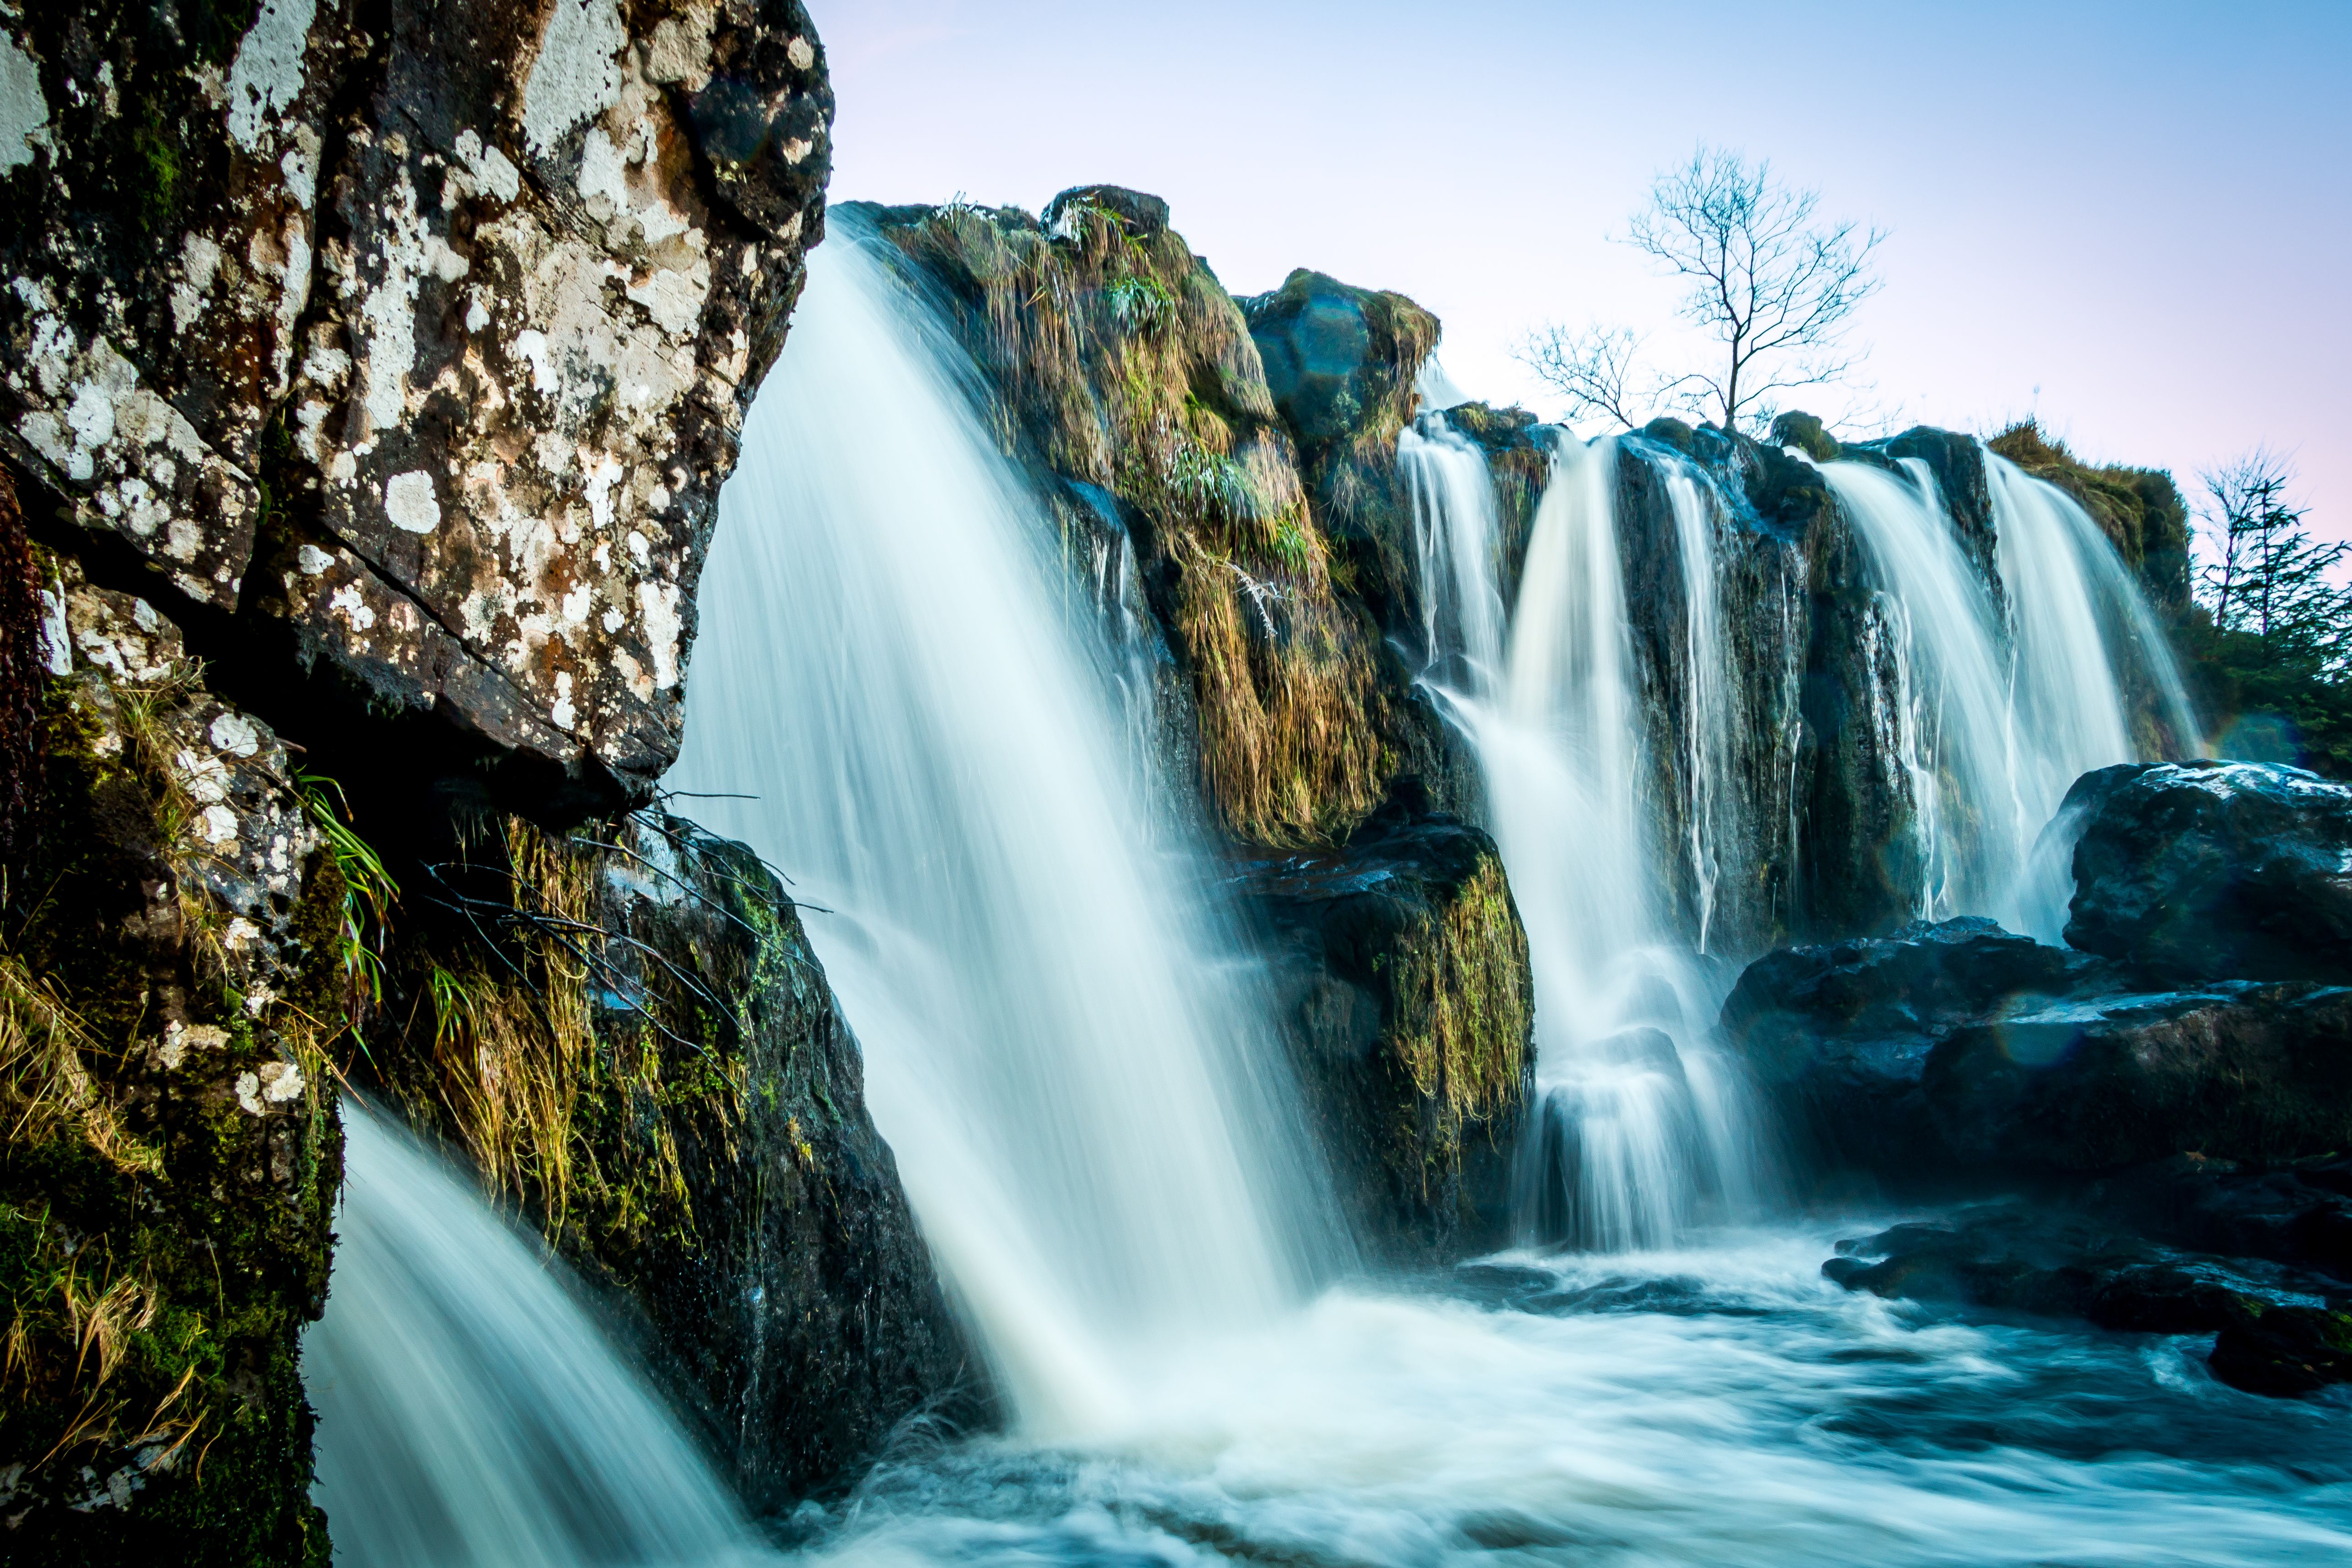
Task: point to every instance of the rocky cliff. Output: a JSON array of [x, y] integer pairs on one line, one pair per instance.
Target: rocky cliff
[[374, 370]]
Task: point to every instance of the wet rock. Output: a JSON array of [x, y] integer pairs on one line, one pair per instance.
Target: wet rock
[[1805, 433], [1838, 1036], [2235, 1070], [629, 1032], [410, 342], [2230, 871], [2020, 1257], [1400, 976], [2282, 1351], [175, 966]]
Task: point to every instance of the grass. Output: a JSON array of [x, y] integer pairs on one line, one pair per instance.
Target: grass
[[1117, 359], [1460, 997]]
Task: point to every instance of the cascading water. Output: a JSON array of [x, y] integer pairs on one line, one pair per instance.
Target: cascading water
[[1079, 1088], [471, 1415], [1643, 1123], [1996, 718]]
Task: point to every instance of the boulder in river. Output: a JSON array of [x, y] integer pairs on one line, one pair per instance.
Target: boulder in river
[[2216, 871]]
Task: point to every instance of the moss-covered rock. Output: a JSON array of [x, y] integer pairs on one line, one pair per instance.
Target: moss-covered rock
[[1126, 378], [172, 971], [627, 1033], [1400, 976], [2140, 510]]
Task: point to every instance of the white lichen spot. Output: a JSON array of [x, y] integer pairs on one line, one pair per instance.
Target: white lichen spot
[[346, 601], [235, 733], [200, 259], [409, 502], [313, 560], [492, 169], [280, 1081], [531, 347], [603, 176], [613, 619], [220, 824], [476, 317], [249, 1093], [657, 602], [639, 549], [562, 712], [24, 110], [266, 77], [576, 605], [577, 75], [241, 934], [673, 300]]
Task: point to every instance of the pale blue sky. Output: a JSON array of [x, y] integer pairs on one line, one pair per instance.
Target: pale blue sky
[[2135, 218]]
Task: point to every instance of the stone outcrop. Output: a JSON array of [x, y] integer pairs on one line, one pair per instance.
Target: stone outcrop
[[2203, 872], [410, 342], [626, 1029], [1400, 977], [178, 957]]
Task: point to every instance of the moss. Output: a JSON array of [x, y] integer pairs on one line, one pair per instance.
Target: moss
[[2140, 510], [1115, 360], [1459, 997]]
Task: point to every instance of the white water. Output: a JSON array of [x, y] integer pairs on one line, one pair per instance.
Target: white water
[[1642, 1125], [1079, 1090], [471, 1415], [1996, 717]]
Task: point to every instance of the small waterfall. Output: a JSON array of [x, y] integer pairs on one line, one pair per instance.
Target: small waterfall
[[1709, 785], [1078, 1083], [1643, 1123], [1995, 717], [471, 1415]]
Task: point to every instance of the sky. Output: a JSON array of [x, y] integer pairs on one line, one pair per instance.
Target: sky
[[2134, 221]]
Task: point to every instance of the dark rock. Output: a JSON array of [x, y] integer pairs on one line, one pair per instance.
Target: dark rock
[[1839, 1036], [796, 1302], [2238, 870], [1806, 433], [2236, 1071], [712, 1166], [2299, 1214], [2020, 1257], [1400, 974], [2282, 1351], [1139, 214]]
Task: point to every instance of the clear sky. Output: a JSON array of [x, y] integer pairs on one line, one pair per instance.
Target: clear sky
[[2134, 219]]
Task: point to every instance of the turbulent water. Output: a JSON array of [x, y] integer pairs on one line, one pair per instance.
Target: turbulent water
[[1076, 1083]]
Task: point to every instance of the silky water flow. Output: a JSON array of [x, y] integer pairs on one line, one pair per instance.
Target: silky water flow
[[1063, 1053]]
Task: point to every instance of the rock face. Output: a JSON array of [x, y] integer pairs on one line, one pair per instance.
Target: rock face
[[1960, 1046], [175, 967], [2241, 870], [411, 341], [1400, 975], [648, 1057]]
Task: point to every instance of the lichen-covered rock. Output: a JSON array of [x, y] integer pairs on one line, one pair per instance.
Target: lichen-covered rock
[[423, 332], [172, 973], [2241, 870], [1400, 979], [628, 1030]]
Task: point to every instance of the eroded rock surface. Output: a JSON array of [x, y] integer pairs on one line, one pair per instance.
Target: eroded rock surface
[[424, 331]]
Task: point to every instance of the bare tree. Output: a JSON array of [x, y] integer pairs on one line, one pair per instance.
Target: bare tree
[[1773, 283], [1594, 368]]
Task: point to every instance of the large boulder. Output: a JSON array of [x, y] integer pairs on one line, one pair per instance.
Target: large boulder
[[2216, 871], [410, 342], [1400, 979], [2237, 1070], [1838, 1036]]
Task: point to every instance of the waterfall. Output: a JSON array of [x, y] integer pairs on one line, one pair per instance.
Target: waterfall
[[1643, 1123], [1075, 1074], [470, 1412], [1996, 715]]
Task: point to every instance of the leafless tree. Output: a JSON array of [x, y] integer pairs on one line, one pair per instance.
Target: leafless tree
[[1774, 284]]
